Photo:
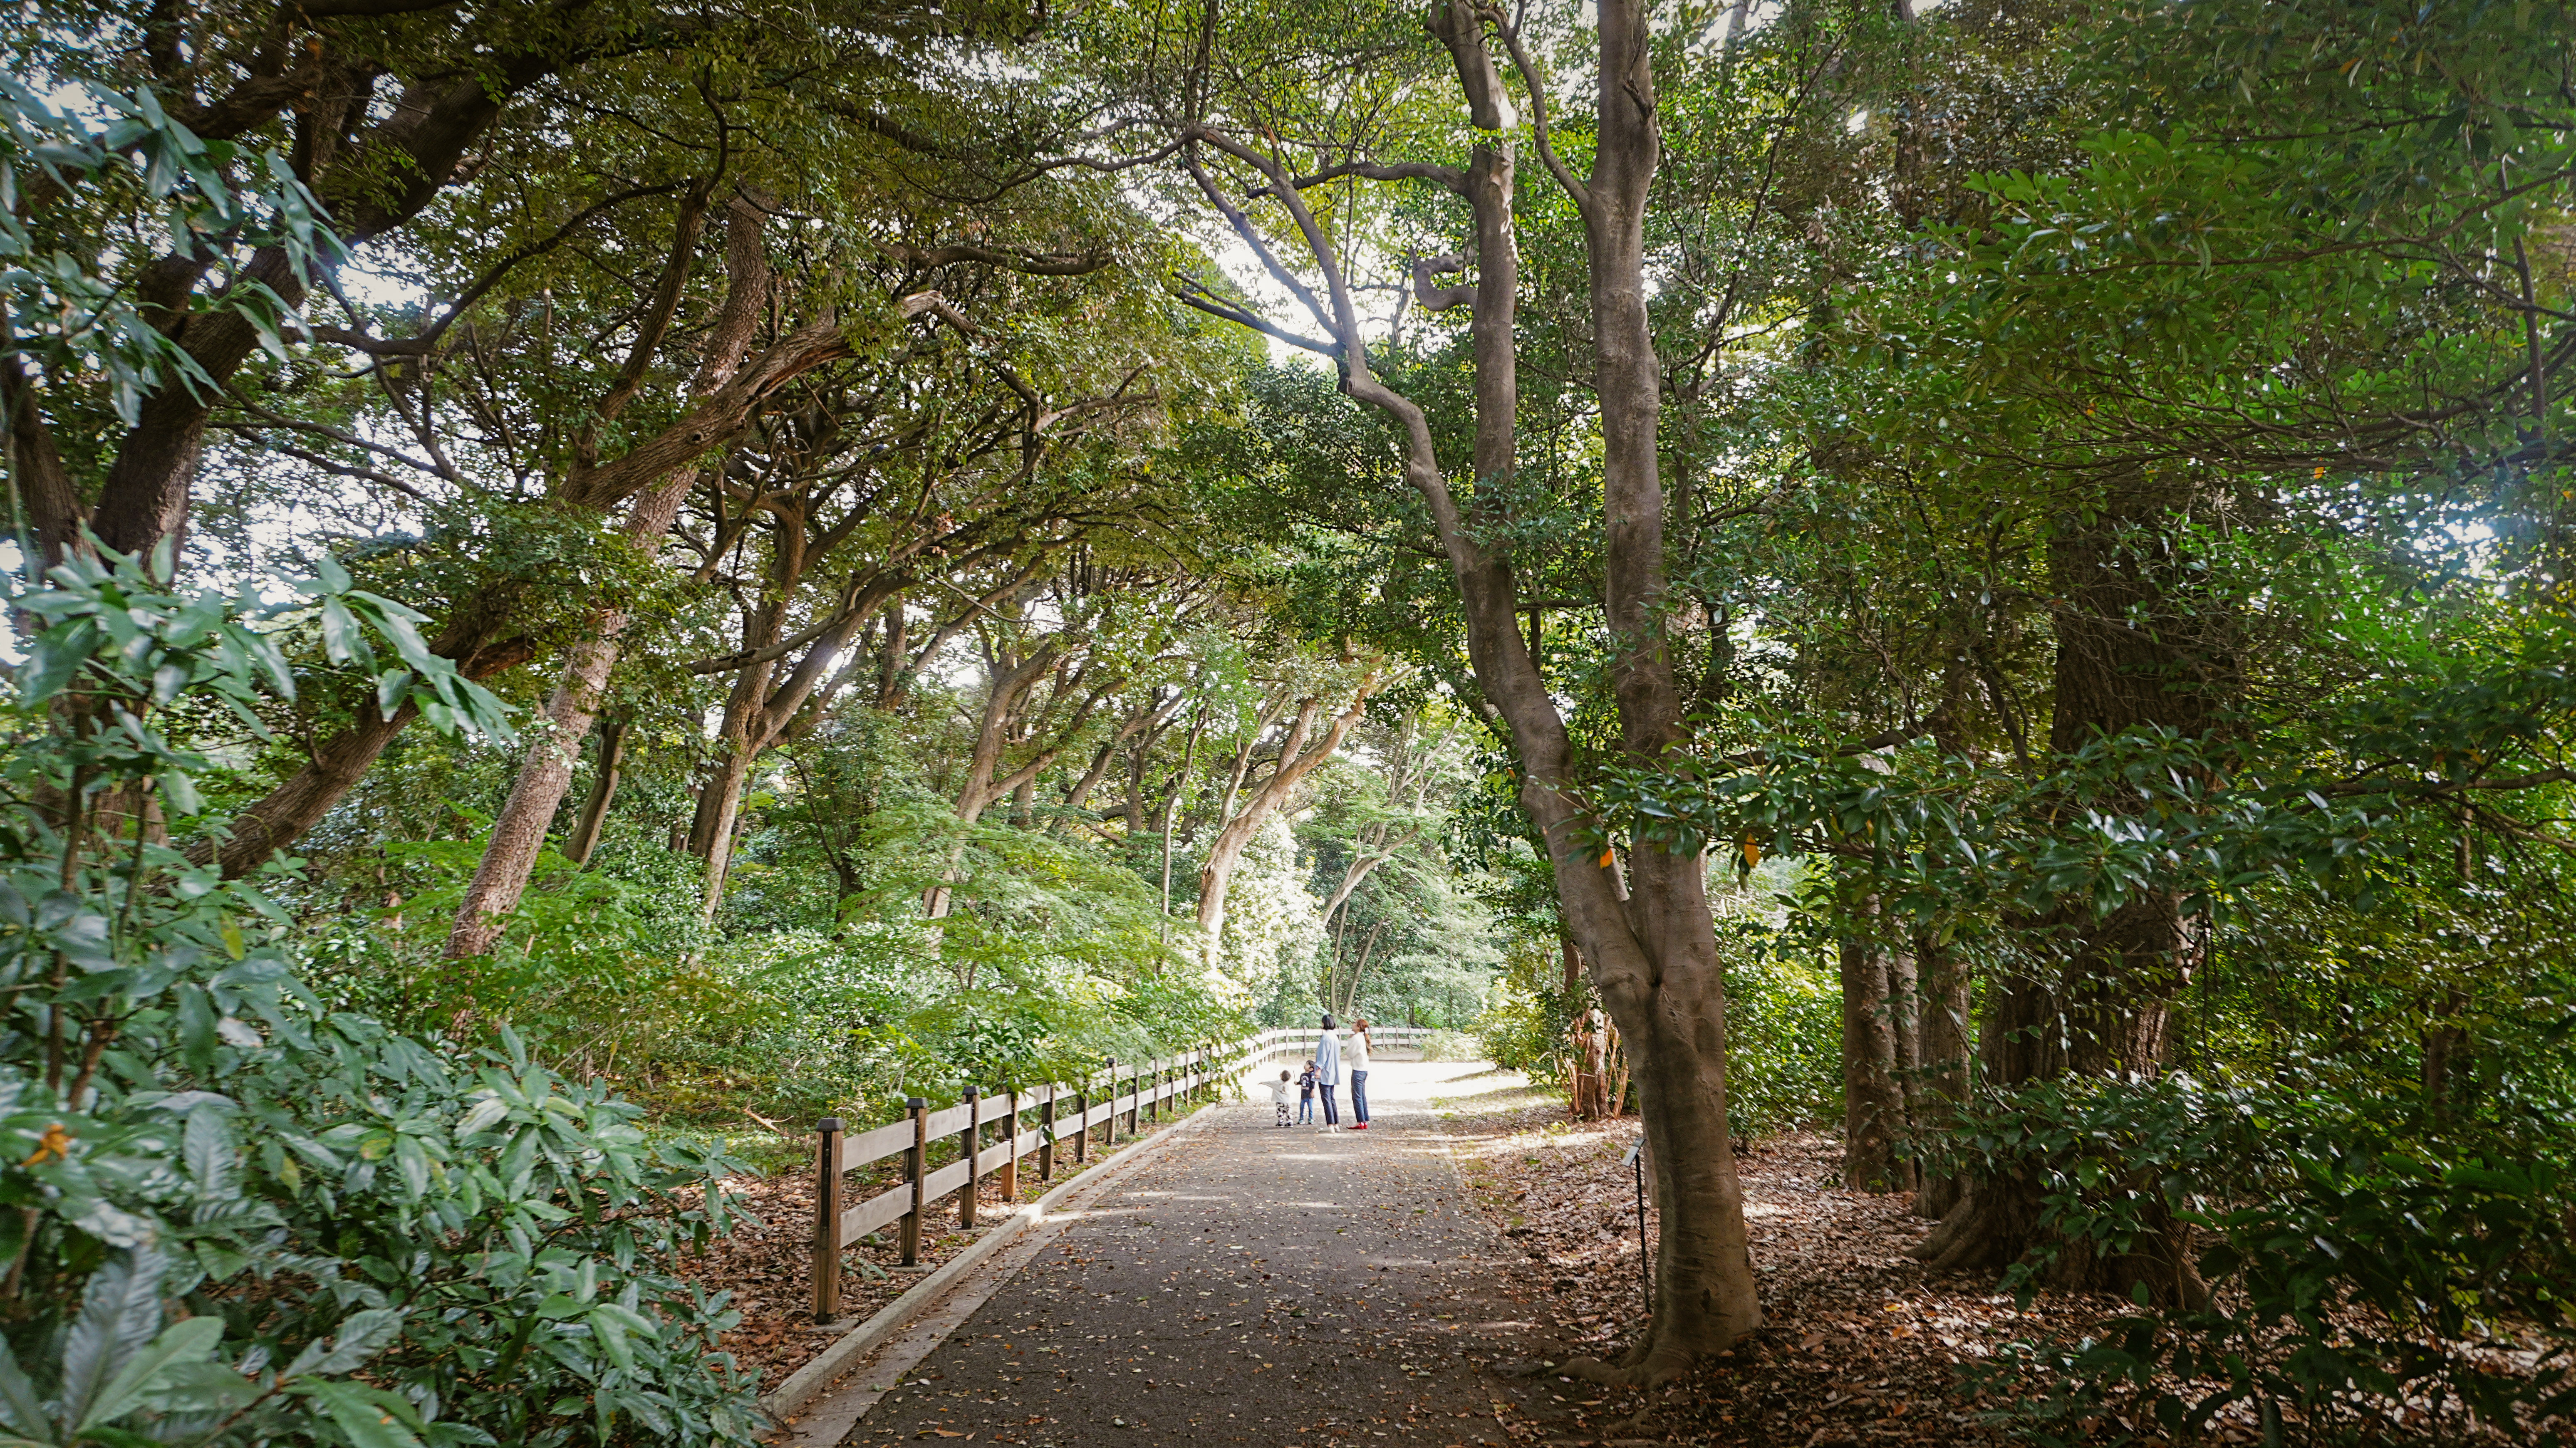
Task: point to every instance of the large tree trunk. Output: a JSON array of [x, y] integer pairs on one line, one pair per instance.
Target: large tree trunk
[[1942, 1027], [2096, 1000], [1652, 947], [2102, 1012], [519, 833], [1874, 1115], [1662, 983]]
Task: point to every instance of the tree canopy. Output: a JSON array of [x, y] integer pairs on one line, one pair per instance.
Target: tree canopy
[[1991, 577]]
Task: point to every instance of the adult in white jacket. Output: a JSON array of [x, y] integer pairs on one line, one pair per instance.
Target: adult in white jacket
[[1356, 1056], [1328, 1070]]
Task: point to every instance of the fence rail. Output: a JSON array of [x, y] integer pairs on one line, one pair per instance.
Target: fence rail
[[1147, 1085]]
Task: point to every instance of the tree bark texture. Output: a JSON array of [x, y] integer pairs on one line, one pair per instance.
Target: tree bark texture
[[1942, 1025], [1875, 1122], [1657, 968]]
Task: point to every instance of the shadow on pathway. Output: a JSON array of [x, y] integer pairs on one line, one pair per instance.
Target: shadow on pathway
[[1250, 1285]]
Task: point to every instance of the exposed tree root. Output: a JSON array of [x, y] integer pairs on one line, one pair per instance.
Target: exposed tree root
[[1997, 1225], [1651, 1363], [1658, 1367]]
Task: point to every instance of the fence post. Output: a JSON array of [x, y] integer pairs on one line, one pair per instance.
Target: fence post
[[1082, 1109], [1046, 1161], [1154, 1108], [1135, 1102], [1010, 1172], [916, 1169], [970, 1144], [827, 1219]]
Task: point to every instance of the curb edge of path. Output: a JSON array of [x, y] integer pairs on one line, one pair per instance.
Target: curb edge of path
[[816, 1380]]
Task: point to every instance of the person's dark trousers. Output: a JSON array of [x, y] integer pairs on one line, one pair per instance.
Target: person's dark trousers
[[1359, 1096], [1332, 1117]]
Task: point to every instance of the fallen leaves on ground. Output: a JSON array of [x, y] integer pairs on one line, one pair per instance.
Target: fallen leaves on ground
[[767, 1263], [1861, 1345]]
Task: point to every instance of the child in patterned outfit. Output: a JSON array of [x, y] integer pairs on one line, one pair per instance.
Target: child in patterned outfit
[[1279, 1097]]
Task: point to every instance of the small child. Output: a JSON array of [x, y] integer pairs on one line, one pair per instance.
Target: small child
[[1279, 1097], [1306, 1094]]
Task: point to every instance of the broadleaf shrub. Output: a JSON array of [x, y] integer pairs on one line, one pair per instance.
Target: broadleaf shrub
[[2362, 1249], [243, 1216]]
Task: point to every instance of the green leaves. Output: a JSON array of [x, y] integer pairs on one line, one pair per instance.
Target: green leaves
[[2350, 1258], [369, 1204], [368, 1417], [115, 631], [179, 1344], [69, 316]]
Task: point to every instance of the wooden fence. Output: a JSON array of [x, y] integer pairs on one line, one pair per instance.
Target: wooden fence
[[1037, 1121]]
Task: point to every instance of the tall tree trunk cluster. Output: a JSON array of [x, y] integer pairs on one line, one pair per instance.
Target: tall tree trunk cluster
[[1647, 932], [1906, 1056]]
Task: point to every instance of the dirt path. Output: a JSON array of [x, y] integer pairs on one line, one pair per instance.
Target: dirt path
[[1250, 1285]]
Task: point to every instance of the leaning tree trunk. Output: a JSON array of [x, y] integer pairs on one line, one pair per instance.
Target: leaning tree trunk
[[593, 819], [2094, 994], [338, 762], [1296, 761], [712, 830], [519, 833], [485, 636]]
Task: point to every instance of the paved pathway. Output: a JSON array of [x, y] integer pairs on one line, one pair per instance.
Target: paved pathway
[[1249, 1285]]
